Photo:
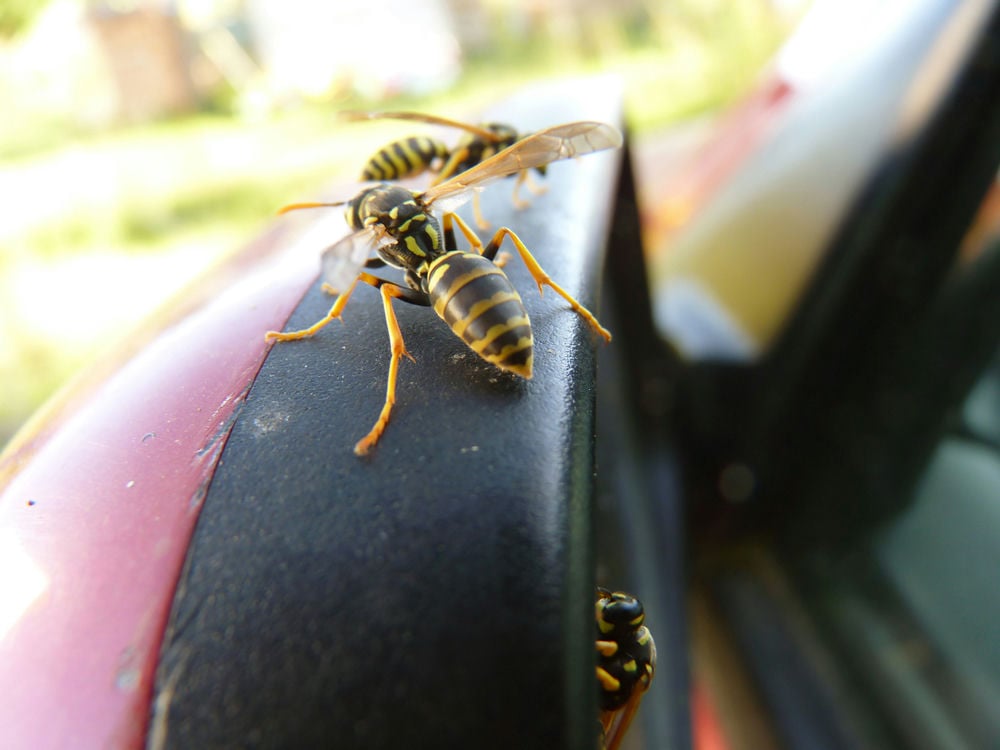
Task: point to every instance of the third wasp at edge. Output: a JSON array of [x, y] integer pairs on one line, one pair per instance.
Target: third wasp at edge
[[626, 661], [468, 290]]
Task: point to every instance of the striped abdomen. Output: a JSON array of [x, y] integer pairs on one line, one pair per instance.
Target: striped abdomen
[[477, 301], [404, 158]]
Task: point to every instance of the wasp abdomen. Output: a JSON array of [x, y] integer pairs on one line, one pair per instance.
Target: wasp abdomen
[[477, 301], [404, 158]]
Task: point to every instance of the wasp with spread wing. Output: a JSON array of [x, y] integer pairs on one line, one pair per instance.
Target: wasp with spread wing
[[468, 290], [409, 157], [626, 660]]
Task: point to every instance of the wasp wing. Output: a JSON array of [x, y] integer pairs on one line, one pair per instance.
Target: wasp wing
[[341, 263], [536, 150], [356, 116], [616, 723]]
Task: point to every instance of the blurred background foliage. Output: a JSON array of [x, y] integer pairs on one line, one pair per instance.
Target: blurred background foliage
[[142, 141], [17, 15]]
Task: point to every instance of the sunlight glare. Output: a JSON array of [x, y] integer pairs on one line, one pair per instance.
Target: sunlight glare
[[21, 581]]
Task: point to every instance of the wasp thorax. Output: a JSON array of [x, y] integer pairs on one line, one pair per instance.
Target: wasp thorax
[[391, 206], [503, 131]]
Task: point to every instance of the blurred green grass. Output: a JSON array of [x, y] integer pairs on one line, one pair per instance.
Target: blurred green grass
[[180, 194]]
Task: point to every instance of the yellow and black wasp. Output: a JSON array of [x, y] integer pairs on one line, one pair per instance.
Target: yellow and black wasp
[[468, 290], [626, 660], [409, 157]]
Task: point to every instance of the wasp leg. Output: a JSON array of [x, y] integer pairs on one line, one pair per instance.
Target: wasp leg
[[531, 186], [398, 350], [524, 178], [450, 168], [388, 291], [476, 244], [477, 213], [541, 278], [370, 263], [334, 314], [449, 234]]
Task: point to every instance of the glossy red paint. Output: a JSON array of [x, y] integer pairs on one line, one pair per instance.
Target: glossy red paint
[[97, 509], [677, 189]]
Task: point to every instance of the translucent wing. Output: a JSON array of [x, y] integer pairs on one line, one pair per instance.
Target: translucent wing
[[343, 260], [355, 116], [616, 723], [536, 150]]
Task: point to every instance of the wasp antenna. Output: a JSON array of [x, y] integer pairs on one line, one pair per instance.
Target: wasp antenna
[[351, 115], [297, 206], [354, 115]]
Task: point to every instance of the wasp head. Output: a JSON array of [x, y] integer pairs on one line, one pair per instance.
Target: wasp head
[[385, 204], [618, 614]]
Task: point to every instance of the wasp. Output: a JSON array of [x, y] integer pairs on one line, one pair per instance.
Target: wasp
[[467, 289], [626, 660], [409, 157]]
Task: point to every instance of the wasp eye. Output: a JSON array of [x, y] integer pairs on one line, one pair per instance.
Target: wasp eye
[[623, 608]]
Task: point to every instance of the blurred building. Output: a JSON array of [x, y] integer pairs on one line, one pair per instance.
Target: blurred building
[[148, 54]]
